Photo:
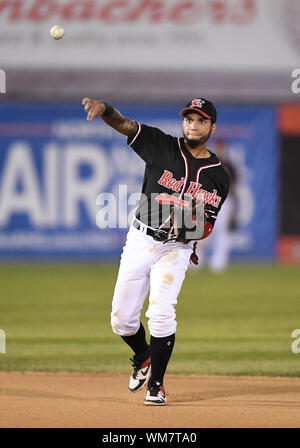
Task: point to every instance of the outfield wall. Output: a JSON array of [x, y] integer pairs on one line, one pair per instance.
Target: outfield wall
[[54, 165], [289, 131]]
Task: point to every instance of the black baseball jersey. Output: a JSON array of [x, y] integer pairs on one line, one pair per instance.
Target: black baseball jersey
[[171, 168]]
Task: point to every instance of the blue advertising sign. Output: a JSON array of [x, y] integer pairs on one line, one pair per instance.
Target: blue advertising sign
[[69, 187]]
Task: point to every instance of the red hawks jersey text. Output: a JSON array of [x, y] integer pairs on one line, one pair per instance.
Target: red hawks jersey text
[[193, 190]]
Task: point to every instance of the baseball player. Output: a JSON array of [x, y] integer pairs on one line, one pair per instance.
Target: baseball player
[[184, 188]]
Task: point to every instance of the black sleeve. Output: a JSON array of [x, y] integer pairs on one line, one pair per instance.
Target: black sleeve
[[149, 142]]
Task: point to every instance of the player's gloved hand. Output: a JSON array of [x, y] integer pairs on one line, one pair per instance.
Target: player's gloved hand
[[188, 217], [189, 220]]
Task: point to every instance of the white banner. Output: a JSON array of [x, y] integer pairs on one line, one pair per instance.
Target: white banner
[[221, 35]]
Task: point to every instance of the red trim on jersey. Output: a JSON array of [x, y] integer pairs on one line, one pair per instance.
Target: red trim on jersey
[[136, 135], [204, 167], [207, 225], [186, 168]]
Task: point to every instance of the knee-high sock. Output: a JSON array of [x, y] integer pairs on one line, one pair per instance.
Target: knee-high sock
[[160, 350], [138, 344]]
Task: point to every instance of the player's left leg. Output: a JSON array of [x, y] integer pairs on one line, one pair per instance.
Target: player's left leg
[[166, 278]]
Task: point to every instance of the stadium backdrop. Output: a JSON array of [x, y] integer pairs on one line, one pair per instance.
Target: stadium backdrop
[[54, 165]]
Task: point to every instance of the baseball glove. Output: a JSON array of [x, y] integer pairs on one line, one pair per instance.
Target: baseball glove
[[187, 218]]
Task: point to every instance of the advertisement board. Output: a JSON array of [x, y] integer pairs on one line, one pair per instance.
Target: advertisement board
[[69, 187], [224, 35]]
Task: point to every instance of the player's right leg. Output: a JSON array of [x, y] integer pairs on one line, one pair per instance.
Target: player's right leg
[[166, 278], [131, 289]]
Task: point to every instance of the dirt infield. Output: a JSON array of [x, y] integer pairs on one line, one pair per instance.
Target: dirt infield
[[64, 400]]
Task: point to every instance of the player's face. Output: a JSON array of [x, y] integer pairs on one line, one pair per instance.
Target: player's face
[[197, 129]]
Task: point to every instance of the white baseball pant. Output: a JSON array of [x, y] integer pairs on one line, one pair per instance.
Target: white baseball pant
[[149, 264]]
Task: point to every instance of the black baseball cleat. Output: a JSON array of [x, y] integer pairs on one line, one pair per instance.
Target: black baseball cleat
[[140, 375], [155, 395]]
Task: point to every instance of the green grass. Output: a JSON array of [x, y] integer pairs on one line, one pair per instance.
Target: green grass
[[57, 318]]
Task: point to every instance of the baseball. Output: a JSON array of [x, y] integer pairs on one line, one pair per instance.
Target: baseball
[[57, 32]]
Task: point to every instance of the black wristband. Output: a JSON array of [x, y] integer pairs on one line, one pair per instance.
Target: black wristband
[[109, 110]]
